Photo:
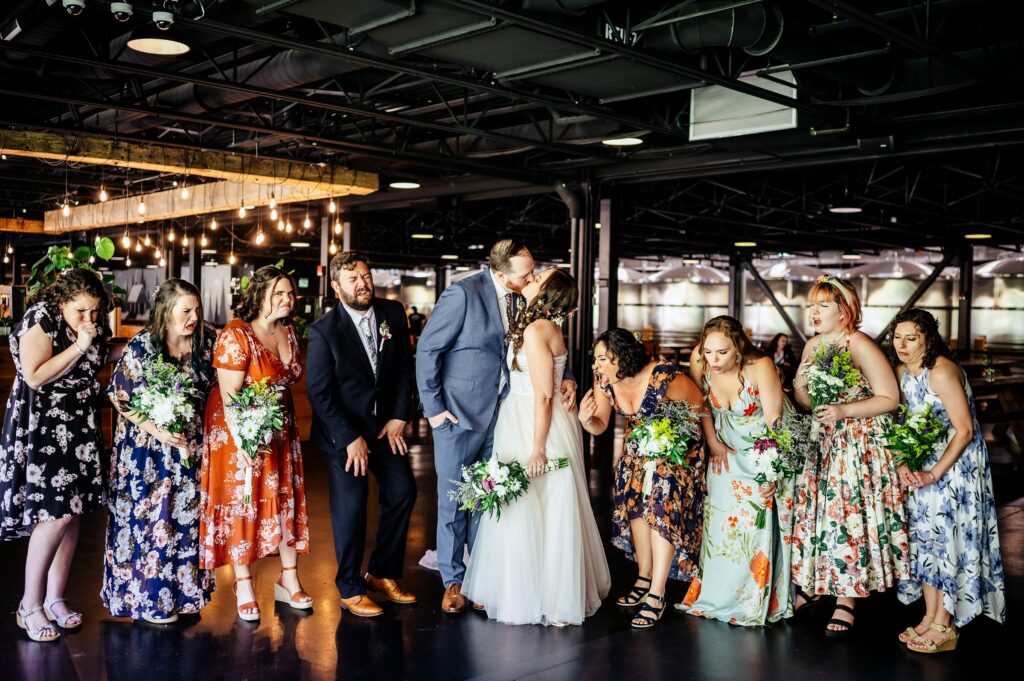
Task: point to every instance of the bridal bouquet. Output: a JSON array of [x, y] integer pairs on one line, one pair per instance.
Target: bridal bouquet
[[913, 436], [668, 434], [164, 395], [489, 485], [779, 453], [831, 373], [254, 416]]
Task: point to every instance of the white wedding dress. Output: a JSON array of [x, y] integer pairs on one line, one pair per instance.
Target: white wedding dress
[[543, 561]]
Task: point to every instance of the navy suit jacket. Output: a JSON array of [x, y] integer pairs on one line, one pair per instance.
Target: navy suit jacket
[[340, 382]]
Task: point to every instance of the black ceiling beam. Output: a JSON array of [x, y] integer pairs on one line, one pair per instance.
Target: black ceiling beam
[[489, 86], [909, 42], [365, 148], [639, 56], [397, 119]]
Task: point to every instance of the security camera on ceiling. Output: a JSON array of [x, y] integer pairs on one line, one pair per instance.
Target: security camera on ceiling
[[74, 7], [163, 20], [122, 11]]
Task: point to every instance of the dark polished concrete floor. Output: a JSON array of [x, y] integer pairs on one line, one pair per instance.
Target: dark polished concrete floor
[[419, 642]]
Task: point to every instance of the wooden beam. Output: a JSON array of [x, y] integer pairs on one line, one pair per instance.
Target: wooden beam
[[212, 197], [21, 225], [337, 181]]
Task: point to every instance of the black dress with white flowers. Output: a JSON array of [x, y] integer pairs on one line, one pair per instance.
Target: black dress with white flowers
[[50, 447]]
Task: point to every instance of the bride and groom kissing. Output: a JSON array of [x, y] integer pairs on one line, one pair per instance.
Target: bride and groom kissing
[[492, 378]]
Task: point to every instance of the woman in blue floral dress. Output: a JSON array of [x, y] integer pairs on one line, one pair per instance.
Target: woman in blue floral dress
[[151, 564], [954, 543]]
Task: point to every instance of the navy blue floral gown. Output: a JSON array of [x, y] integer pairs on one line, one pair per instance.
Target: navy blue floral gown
[[151, 562]]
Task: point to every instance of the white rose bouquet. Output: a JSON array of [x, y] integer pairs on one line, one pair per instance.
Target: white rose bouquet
[[165, 396]]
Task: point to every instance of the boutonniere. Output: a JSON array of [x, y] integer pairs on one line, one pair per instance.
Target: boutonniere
[[385, 334]]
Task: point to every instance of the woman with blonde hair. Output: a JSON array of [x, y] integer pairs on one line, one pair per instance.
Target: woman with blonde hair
[[850, 536], [151, 564], [744, 571]]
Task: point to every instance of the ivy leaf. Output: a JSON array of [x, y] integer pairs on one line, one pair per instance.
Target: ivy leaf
[[104, 248]]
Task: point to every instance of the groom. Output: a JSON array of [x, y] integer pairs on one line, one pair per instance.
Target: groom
[[359, 378], [462, 377]]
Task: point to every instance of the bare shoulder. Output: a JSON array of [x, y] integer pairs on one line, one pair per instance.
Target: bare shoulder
[[541, 329], [945, 373], [861, 341], [683, 388]]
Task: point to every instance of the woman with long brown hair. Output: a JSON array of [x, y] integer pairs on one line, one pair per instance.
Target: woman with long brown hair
[[259, 343], [151, 567], [744, 569], [543, 562]]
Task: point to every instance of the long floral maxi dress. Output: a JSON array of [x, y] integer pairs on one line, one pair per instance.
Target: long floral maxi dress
[[50, 465], [744, 575], [151, 563], [232, 531], [673, 508], [954, 541], [850, 533]]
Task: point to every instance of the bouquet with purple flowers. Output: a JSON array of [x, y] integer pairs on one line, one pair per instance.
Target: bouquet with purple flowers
[[165, 396], [488, 485], [913, 436]]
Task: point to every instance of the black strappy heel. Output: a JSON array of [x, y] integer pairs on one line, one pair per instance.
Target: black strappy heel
[[847, 626], [642, 621], [635, 596], [810, 602]]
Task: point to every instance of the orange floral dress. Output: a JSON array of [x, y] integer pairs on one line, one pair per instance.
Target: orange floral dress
[[231, 531]]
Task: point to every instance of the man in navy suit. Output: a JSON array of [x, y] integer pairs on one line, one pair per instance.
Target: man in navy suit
[[359, 377], [462, 375]]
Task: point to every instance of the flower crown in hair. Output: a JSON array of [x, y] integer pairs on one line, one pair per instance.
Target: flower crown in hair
[[844, 291]]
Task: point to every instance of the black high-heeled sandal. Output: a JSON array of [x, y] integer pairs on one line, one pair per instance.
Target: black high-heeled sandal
[[635, 596], [642, 621], [847, 626], [810, 603]]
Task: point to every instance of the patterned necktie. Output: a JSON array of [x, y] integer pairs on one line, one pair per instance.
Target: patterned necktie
[[371, 347]]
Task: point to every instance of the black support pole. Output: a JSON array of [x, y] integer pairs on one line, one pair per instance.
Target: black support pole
[[759, 280], [966, 299]]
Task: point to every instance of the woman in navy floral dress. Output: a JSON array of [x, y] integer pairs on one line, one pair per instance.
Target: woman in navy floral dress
[[151, 563], [954, 542], [50, 472]]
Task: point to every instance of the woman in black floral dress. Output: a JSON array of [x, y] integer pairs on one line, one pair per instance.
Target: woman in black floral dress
[[50, 471]]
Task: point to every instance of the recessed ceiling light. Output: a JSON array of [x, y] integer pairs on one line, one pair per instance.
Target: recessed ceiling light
[[597, 225], [449, 256], [691, 261], [845, 210], [476, 247], [851, 256], [744, 244], [622, 141], [404, 185], [299, 244], [421, 235], [565, 265], [208, 251], [979, 235], [462, 268]]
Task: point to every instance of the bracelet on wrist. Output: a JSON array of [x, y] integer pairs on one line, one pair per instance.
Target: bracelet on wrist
[[934, 479], [80, 350]]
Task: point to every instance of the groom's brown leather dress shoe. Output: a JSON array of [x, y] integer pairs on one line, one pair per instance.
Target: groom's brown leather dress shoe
[[361, 606], [453, 601], [390, 588]]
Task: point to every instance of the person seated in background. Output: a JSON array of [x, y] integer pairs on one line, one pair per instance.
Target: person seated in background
[[781, 353]]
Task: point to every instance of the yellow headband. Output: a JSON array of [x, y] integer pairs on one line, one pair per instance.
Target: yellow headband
[[845, 292]]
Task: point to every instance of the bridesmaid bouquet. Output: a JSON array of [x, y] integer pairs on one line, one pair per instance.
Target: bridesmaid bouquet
[[254, 416], [668, 434], [489, 485], [831, 373], [913, 436], [164, 395], [779, 453]]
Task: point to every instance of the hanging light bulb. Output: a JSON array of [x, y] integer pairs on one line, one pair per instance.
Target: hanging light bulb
[[273, 213], [92, 259], [163, 262], [337, 226], [331, 207], [203, 241], [273, 201], [10, 248], [333, 249], [142, 207], [7, 258], [128, 261], [184, 240], [138, 247], [241, 211], [213, 225], [157, 254], [231, 259], [66, 210], [260, 238], [184, 191], [170, 235], [147, 242], [103, 194], [306, 224], [280, 225], [288, 227], [126, 241]]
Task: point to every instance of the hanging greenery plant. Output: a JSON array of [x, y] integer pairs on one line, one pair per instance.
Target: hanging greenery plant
[[60, 258]]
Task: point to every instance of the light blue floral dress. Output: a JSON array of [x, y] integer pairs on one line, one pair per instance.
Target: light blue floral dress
[[151, 562], [744, 575], [954, 543]]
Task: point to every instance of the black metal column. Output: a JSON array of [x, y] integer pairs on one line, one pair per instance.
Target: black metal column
[[736, 288], [440, 281], [965, 300]]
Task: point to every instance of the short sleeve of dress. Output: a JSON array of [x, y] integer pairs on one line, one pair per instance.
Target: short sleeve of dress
[[128, 371], [40, 314], [232, 349]]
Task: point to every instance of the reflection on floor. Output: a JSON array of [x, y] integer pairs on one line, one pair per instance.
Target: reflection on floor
[[419, 642]]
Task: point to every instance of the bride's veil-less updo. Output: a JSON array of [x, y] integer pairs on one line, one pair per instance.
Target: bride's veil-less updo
[[557, 299]]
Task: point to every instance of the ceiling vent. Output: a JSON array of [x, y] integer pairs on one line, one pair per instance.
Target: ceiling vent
[[717, 112]]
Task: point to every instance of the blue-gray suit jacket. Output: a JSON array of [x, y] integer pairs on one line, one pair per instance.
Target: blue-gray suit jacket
[[460, 357]]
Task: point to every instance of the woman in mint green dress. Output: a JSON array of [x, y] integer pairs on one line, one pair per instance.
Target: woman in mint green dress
[[744, 575]]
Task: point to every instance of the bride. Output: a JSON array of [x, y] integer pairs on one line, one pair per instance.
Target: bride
[[543, 561]]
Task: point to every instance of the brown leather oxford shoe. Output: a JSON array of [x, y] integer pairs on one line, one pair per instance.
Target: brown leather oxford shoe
[[361, 606], [390, 588], [453, 601]]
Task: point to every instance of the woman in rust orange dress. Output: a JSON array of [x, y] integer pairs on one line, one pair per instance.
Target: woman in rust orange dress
[[259, 343]]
